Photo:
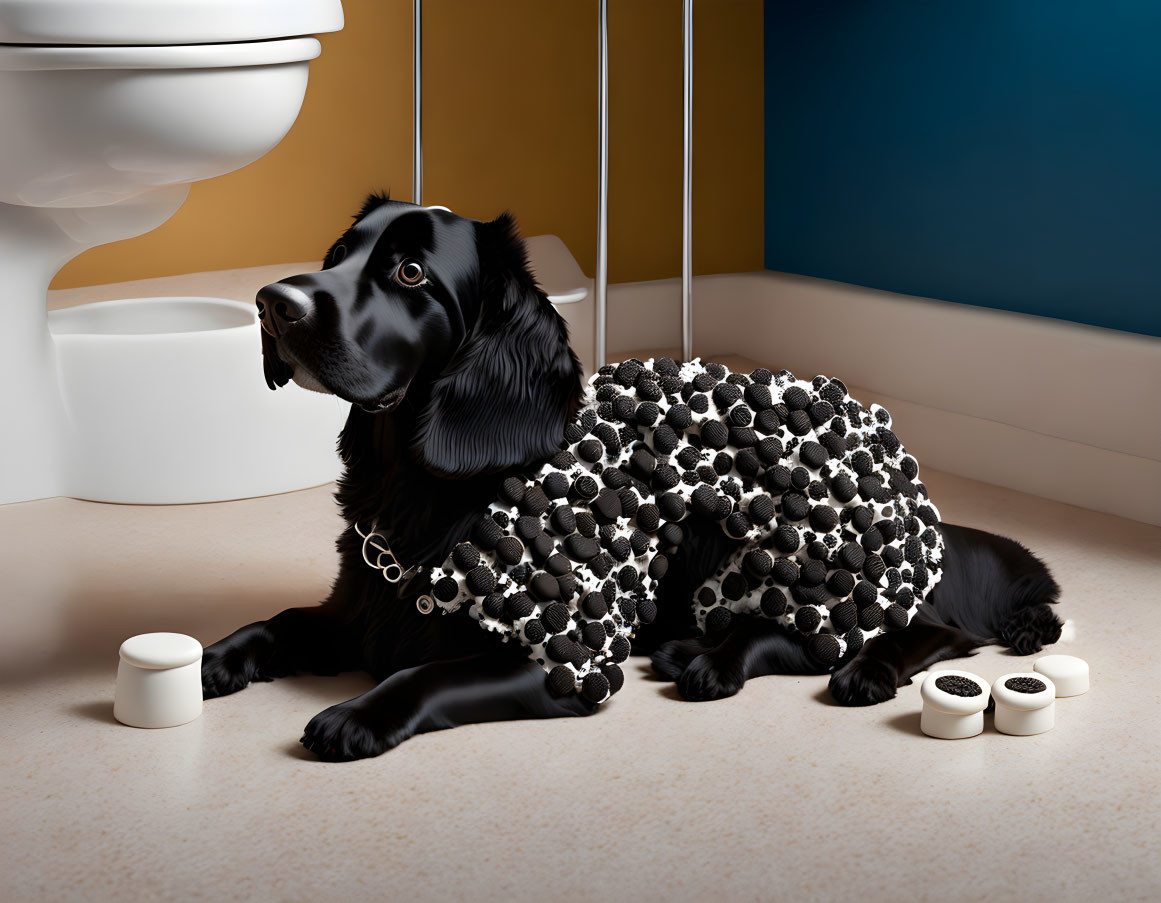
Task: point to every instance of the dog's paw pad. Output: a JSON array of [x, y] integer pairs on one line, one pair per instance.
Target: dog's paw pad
[[864, 681], [224, 673]]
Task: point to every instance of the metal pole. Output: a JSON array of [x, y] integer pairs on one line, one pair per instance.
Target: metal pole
[[417, 101], [602, 276], [687, 184]]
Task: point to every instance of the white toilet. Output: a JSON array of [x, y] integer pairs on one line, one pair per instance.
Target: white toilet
[[109, 109]]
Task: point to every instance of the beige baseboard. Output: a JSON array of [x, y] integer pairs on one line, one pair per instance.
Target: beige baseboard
[[1063, 411]]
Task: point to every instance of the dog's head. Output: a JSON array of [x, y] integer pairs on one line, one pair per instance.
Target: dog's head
[[422, 314]]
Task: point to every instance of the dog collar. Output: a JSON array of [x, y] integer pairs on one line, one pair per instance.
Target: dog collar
[[378, 555]]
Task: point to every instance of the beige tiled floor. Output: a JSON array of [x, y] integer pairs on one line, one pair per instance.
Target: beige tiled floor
[[774, 794]]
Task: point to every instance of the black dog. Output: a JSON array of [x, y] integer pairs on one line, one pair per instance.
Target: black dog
[[433, 327]]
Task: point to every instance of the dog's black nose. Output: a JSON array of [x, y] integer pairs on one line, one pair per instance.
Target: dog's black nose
[[279, 305]]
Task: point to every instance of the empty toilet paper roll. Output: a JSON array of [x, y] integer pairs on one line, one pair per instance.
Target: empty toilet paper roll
[[1025, 704], [953, 704], [159, 680], [1067, 672]]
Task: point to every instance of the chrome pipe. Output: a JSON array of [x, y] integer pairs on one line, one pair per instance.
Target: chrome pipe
[[417, 102], [602, 274], [687, 182]]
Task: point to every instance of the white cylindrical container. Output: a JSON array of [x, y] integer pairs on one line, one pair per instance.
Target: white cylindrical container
[[1025, 704], [1067, 672], [953, 704], [159, 680]]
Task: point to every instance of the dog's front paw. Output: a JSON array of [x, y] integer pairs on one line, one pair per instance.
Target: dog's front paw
[[705, 679], [672, 658], [865, 681], [226, 670], [353, 730]]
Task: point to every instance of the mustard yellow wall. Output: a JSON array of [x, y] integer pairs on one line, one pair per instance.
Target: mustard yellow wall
[[510, 113]]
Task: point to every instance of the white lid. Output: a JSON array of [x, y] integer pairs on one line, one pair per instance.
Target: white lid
[[157, 651], [160, 22], [1069, 673]]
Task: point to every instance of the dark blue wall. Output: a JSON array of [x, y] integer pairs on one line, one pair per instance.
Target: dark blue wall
[[1005, 153]]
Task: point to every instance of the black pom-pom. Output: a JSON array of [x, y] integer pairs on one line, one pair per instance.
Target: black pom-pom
[[818, 550], [679, 417], [823, 518], [646, 611], [874, 568], [800, 478], [769, 450], [594, 605], [561, 680], [581, 548], [647, 412], [619, 649], [557, 565], [905, 597], [761, 376], [715, 434], [758, 563], [758, 397], [527, 527], [445, 589], [865, 594], [844, 616], [767, 421], [648, 517], [493, 605], [627, 372], [820, 412], [872, 540], [704, 502], [671, 534], [761, 510], [614, 675], [794, 506], [778, 478], [628, 577], [585, 487], [465, 557], [595, 686], [843, 487], [487, 533], [726, 394], [840, 583], [743, 437], [787, 539], [813, 455], [737, 525], [812, 573], [480, 580], [658, 566], [740, 415], [795, 398], [534, 631], [870, 617], [593, 635], [563, 520], [664, 439], [607, 505], [544, 586], [620, 549], [535, 502], [861, 517], [854, 638], [723, 463], [852, 556], [773, 603], [665, 477], [785, 571], [555, 485], [798, 422], [512, 490], [614, 478], [573, 433], [910, 467], [824, 647], [671, 506], [518, 605], [718, 620], [590, 450], [556, 617], [807, 619], [624, 407], [639, 542], [895, 616]]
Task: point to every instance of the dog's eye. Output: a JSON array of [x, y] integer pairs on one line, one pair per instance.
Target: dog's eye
[[338, 254], [410, 273]]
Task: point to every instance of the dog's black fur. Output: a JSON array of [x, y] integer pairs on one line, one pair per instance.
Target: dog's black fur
[[457, 382]]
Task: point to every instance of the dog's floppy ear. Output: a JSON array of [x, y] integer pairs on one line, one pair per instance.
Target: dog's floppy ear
[[506, 395]]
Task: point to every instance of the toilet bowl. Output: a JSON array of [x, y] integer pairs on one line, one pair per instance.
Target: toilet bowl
[[111, 108]]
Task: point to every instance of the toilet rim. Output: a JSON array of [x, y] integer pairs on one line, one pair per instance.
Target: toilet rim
[[35, 58]]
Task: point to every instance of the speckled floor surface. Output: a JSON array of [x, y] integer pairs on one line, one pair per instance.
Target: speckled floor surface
[[775, 794]]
